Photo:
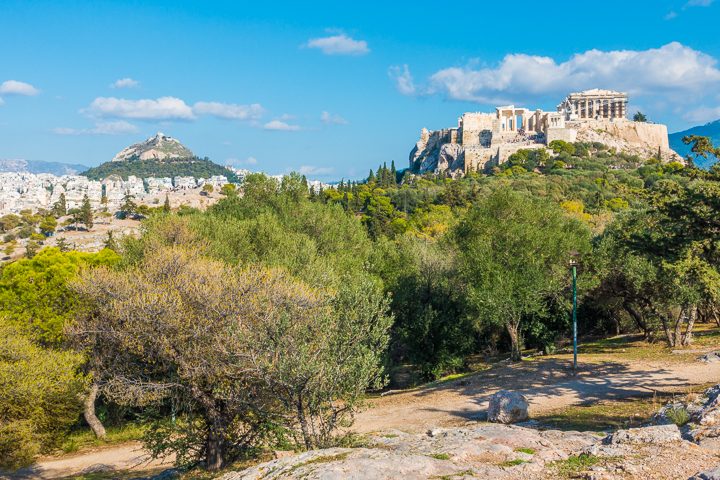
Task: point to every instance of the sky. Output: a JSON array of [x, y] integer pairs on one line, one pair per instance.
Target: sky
[[330, 89]]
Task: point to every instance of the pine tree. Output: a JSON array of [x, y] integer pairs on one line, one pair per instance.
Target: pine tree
[[128, 206], [371, 177], [393, 173], [86, 213], [166, 205]]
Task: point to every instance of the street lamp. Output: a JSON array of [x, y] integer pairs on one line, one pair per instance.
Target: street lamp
[[573, 267]]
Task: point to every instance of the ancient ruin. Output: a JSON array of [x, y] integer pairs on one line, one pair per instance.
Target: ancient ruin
[[483, 140]]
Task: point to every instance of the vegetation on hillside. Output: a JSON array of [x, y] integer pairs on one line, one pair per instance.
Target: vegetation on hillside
[[170, 167], [263, 321]]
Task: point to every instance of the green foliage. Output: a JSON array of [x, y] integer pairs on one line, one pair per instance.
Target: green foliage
[[86, 213], [175, 167], [561, 146], [575, 464], [639, 117], [678, 415], [431, 329], [514, 251], [297, 359], [48, 225], [35, 295], [39, 396]]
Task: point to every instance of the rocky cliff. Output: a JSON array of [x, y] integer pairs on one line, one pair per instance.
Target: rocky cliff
[[636, 138]]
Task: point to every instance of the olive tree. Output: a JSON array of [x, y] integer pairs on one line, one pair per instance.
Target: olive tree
[[514, 251], [241, 353]]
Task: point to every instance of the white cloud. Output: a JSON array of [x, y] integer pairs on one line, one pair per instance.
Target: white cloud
[[229, 110], [163, 108], [125, 83], [280, 125], [703, 114], [339, 44], [332, 119], [670, 15], [13, 87], [316, 171], [119, 127], [670, 69], [403, 79]]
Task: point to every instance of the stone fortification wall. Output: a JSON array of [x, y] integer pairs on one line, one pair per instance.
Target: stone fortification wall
[[564, 134]]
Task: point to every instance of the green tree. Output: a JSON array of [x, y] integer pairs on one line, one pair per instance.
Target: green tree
[[35, 295], [639, 117], [166, 205], [59, 208], [228, 189], [295, 356], [128, 206], [514, 251], [86, 213], [40, 392], [48, 225]]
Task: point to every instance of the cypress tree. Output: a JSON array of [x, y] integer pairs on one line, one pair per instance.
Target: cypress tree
[[86, 213]]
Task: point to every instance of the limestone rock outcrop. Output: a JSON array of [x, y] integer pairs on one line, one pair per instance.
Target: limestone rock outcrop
[[500, 452], [159, 147]]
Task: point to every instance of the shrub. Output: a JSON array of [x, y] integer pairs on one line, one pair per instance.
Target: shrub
[[40, 392]]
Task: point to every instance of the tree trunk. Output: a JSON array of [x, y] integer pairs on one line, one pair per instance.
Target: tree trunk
[[215, 446], [638, 319], [512, 329], [688, 335], [666, 329], [89, 412], [715, 315], [304, 427], [678, 322]]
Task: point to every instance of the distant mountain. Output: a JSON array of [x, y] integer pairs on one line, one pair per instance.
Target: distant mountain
[[158, 156], [711, 130], [38, 166], [159, 147]]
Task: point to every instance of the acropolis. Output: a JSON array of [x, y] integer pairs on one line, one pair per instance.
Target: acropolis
[[483, 140]]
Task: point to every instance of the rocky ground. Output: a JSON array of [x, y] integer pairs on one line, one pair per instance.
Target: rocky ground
[[659, 451], [500, 452]]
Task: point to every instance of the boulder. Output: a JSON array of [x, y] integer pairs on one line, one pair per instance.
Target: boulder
[[711, 357], [507, 407], [711, 474], [657, 434]]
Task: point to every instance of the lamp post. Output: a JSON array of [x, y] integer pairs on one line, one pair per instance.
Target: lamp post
[[573, 267]]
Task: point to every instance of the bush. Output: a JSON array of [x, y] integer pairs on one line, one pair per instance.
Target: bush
[[40, 392]]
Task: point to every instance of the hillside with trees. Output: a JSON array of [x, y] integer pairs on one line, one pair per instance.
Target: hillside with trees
[[169, 167], [263, 322]]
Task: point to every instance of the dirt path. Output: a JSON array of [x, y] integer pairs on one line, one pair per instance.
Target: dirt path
[[128, 456], [548, 384]]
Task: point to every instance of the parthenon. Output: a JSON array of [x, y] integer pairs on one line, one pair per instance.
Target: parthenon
[[594, 104]]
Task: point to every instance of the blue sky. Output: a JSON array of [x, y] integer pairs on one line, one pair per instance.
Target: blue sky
[[325, 88]]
